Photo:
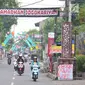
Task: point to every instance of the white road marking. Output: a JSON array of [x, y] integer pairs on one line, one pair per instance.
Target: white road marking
[[14, 74], [13, 78], [12, 83]]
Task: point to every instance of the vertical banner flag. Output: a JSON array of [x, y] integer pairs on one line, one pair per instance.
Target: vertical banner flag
[[50, 42]]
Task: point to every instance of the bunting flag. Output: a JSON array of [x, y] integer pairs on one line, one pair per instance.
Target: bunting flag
[[13, 33], [32, 43], [28, 43], [7, 39]]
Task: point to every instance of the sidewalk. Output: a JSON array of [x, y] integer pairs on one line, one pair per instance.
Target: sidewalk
[[53, 75], [71, 82]]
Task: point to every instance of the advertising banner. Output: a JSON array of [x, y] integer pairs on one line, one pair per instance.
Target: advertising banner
[[30, 12], [65, 72], [50, 42], [58, 49]]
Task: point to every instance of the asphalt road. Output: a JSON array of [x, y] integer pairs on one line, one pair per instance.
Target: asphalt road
[[9, 77]]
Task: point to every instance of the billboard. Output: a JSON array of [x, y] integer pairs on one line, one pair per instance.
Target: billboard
[[58, 49], [65, 72], [30, 12]]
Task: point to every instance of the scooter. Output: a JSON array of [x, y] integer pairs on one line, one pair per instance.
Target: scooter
[[35, 71], [20, 68]]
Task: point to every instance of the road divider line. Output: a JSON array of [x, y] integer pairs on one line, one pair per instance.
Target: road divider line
[[13, 78], [12, 83], [14, 74]]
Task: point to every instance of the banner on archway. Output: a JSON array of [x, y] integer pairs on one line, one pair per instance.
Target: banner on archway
[[30, 12]]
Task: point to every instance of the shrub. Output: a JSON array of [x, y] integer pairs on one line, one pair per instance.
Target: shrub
[[80, 60]]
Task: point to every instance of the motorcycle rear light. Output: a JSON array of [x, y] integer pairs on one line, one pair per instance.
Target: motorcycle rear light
[[20, 69]]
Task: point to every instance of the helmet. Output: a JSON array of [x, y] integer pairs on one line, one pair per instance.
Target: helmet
[[35, 58], [20, 55]]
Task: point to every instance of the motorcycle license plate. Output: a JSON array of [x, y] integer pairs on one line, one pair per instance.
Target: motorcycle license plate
[[20, 66], [20, 69], [35, 73], [35, 69]]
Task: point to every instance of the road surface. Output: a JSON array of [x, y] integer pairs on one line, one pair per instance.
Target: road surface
[[9, 77]]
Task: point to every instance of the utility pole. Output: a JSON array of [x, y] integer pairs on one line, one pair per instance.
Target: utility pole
[[70, 6], [68, 10], [55, 27], [75, 45]]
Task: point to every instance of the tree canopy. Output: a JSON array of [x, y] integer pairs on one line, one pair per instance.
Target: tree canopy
[[7, 22], [50, 27]]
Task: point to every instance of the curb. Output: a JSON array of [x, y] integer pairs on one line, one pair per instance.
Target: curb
[[52, 76]]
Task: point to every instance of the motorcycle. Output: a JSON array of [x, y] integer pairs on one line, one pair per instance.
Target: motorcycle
[[15, 65], [9, 59], [20, 68], [35, 71]]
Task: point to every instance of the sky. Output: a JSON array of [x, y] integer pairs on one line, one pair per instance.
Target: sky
[[27, 23]]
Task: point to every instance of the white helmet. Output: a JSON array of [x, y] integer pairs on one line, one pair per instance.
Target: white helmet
[[35, 57], [20, 54]]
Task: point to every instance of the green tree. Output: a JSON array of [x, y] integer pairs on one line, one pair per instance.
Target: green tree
[[33, 31], [78, 20], [79, 27], [82, 14], [49, 27], [7, 22]]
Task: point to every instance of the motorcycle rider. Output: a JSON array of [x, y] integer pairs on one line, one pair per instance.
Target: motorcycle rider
[[35, 61], [9, 55], [20, 59]]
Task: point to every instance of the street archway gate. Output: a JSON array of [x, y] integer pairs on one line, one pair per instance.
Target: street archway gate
[[45, 12]]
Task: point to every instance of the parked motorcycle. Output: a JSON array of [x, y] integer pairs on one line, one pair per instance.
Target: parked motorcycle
[[20, 68]]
